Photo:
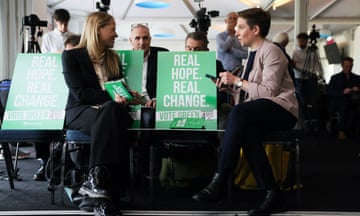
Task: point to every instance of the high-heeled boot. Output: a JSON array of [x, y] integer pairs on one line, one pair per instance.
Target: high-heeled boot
[[213, 191], [97, 183], [269, 205]]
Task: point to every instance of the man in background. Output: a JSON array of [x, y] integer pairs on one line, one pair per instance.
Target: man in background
[[344, 92], [198, 41], [53, 42], [308, 71], [140, 39], [72, 41], [229, 50], [281, 39]]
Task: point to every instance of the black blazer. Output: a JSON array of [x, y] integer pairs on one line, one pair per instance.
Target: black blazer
[[152, 70], [339, 82], [82, 81]]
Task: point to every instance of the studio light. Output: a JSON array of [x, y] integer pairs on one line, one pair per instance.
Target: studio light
[[163, 33], [152, 4], [279, 3]]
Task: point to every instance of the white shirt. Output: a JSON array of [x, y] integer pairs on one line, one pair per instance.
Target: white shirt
[[307, 63], [144, 77], [53, 42]]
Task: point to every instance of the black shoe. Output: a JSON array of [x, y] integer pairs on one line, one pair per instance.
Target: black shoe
[[96, 184], [270, 204], [104, 208], [87, 204], [213, 191], [40, 173]]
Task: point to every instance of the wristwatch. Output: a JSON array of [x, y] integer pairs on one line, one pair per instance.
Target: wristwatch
[[239, 83]]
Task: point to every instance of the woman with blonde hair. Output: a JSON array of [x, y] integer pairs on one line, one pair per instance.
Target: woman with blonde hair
[[91, 110]]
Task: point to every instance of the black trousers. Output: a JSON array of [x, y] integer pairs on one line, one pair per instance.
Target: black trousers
[[307, 91], [247, 122], [349, 111], [42, 151], [107, 127]]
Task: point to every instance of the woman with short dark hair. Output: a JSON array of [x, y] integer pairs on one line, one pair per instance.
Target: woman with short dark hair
[[267, 102]]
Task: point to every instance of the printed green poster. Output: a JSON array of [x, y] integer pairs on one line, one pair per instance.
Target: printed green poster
[[184, 92], [132, 64], [38, 93]]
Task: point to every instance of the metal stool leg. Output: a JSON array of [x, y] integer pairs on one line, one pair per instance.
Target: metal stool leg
[[151, 171], [9, 164]]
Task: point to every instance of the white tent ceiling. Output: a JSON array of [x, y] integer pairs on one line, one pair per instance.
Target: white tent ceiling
[[330, 16]]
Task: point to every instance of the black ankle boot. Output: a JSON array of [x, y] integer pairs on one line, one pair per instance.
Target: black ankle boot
[[213, 191], [269, 205], [106, 208], [97, 183]]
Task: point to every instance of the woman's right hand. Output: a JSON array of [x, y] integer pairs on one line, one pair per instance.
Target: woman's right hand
[[120, 99]]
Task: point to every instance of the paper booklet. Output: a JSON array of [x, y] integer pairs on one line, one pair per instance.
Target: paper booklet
[[118, 87]]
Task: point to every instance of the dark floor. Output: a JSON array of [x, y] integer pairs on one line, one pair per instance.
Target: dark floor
[[330, 176]]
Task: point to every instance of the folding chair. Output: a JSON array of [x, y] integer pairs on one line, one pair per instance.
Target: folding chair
[[75, 138], [290, 142], [285, 141]]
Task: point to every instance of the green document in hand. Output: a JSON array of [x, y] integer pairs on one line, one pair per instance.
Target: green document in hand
[[118, 87]]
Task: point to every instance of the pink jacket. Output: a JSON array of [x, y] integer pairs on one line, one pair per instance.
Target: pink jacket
[[270, 79]]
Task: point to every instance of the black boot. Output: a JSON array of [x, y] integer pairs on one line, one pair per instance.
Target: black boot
[[97, 183], [213, 191], [269, 205], [105, 208], [40, 173]]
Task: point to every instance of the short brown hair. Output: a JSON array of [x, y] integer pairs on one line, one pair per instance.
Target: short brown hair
[[198, 36], [302, 35], [347, 58], [62, 15], [73, 39], [259, 17]]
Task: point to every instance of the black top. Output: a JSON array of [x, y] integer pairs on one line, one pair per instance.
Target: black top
[[83, 83]]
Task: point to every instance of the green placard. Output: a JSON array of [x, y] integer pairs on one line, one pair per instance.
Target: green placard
[[118, 87], [132, 64], [183, 91], [38, 93]]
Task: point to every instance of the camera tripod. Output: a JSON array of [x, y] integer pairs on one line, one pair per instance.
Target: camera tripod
[[33, 45], [309, 93]]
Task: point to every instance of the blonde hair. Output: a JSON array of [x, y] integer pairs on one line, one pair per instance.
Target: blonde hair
[[91, 41]]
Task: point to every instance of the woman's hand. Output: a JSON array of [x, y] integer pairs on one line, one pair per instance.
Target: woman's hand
[[137, 98], [151, 103], [227, 79], [120, 99]]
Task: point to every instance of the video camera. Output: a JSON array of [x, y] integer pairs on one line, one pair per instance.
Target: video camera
[[103, 5], [33, 20], [313, 36], [202, 21]]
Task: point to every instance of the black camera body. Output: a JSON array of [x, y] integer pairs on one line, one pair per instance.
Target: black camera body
[[33, 20], [203, 21], [314, 35], [103, 5]]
